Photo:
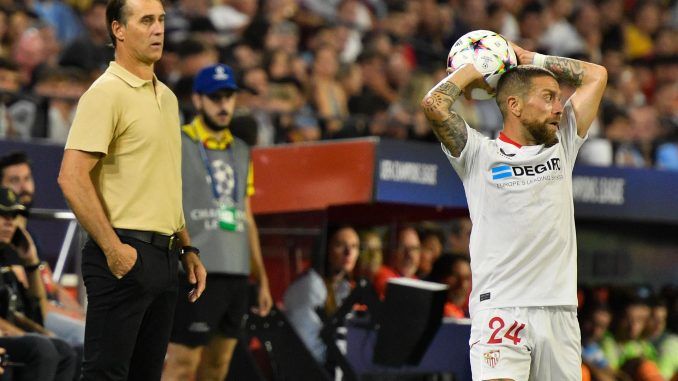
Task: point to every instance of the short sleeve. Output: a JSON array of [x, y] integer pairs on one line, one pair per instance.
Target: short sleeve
[[567, 132], [94, 124], [467, 160]]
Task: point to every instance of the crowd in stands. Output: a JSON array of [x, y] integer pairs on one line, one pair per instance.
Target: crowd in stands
[[324, 69]]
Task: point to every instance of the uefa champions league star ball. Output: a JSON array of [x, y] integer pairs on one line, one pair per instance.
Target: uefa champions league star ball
[[489, 52]]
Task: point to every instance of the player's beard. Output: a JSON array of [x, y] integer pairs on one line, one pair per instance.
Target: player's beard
[[211, 124], [541, 133]]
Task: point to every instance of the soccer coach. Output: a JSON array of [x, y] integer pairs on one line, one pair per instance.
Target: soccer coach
[[121, 175]]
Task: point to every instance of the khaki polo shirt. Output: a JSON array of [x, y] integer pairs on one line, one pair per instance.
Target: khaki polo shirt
[[137, 129]]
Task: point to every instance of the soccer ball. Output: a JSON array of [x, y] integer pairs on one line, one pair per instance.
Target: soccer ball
[[489, 52]]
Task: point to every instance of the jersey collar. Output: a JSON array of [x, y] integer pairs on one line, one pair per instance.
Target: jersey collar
[[508, 140], [198, 132]]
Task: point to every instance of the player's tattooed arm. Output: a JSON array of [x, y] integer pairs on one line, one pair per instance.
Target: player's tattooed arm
[[448, 126], [566, 69]]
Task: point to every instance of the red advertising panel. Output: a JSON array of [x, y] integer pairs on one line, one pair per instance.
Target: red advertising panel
[[296, 178]]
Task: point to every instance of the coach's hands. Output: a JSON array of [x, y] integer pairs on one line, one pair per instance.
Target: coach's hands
[[121, 259], [196, 274]]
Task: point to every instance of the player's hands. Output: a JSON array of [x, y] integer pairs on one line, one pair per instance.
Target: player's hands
[[264, 301], [196, 273], [524, 56], [121, 259], [475, 79]]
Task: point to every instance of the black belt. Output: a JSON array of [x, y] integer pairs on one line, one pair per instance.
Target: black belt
[[161, 241]]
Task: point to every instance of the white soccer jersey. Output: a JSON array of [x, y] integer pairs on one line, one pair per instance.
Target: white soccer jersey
[[523, 242]]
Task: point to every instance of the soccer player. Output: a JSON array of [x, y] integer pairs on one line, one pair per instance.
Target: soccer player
[[519, 193]]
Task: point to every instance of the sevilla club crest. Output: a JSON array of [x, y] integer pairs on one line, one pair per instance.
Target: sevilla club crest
[[491, 358]]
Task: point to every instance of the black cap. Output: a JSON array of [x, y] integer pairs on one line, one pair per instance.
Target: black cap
[[9, 204]]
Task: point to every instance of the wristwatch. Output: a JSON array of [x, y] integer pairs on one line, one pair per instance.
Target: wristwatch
[[189, 249]]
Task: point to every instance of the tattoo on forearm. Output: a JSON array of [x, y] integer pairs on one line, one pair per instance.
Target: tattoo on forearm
[[569, 70], [448, 88], [452, 133], [451, 130]]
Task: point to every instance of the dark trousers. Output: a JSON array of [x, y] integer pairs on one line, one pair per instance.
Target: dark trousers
[[129, 320], [43, 358]]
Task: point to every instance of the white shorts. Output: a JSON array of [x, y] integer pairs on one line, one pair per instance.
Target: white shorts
[[526, 343]]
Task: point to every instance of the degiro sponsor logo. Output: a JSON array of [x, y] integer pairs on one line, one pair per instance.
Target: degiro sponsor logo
[[505, 171]]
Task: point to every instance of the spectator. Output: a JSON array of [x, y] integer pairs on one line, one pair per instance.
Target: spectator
[[561, 37], [43, 358], [666, 104], [231, 19], [193, 55], [17, 175], [283, 35], [431, 249], [256, 101], [30, 52], [373, 65], [352, 82], [585, 19], [10, 124], [664, 341], [619, 133], [50, 358], [285, 89], [638, 34], [306, 126], [329, 98], [371, 255], [316, 295], [61, 17], [611, 24], [532, 25], [358, 18], [63, 314], [626, 341], [403, 261], [459, 239], [179, 16], [595, 322], [453, 270], [90, 51], [646, 131], [245, 128], [60, 88]]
